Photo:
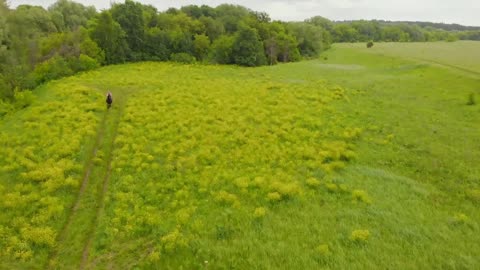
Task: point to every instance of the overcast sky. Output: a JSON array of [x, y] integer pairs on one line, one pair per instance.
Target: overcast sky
[[466, 12]]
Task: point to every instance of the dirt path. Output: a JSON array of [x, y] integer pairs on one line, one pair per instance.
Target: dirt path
[[77, 235], [105, 183], [465, 70], [85, 181]]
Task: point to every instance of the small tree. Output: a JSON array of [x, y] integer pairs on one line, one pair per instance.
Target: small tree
[[370, 44]]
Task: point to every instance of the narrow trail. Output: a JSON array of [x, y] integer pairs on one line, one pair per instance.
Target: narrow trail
[[77, 235], [465, 70], [105, 184], [85, 181]]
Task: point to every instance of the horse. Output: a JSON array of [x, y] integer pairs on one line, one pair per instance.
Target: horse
[[109, 100]]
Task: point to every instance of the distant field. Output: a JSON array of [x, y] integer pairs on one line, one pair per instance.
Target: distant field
[[464, 55], [358, 160]]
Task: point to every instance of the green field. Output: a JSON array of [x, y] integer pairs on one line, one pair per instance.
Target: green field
[[460, 55], [362, 159]]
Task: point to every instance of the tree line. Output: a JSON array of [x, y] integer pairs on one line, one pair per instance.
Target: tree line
[[38, 44], [386, 31]]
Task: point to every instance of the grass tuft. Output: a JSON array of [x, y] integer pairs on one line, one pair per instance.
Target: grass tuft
[[360, 236]]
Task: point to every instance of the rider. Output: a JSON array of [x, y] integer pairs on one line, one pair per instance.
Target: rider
[[109, 100]]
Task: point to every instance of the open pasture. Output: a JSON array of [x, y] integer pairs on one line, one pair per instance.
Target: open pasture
[[460, 55], [357, 160]]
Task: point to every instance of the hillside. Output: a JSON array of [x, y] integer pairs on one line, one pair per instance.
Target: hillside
[[361, 159]]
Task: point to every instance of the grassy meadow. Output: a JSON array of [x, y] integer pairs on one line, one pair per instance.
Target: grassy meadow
[[361, 159], [461, 55]]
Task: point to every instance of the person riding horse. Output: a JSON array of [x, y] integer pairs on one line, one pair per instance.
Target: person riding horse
[[109, 100]]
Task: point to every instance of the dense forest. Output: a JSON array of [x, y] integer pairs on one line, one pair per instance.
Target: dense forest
[[38, 45]]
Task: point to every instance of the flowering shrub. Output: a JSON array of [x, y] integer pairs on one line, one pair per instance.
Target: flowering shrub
[[41, 167], [199, 152], [360, 236]]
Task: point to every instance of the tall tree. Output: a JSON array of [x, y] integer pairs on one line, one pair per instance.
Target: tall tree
[[222, 50], [201, 45], [287, 48], [5, 90], [231, 16], [213, 28], [26, 25], [130, 17], [247, 48], [69, 16], [157, 44], [109, 35], [310, 38], [3, 27]]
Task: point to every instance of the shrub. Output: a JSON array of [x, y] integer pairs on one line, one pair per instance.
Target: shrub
[[352, 133], [331, 187], [225, 197], [23, 99], [259, 181], [259, 212], [83, 63], [242, 182], [473, 195], [370, 44], [460, 218], [452, 38], [174, 240], [361, 195], [360, 236], [54, 68], [285, 189], [39, 236], [6, 91], [274, 196], [5, 107], [313, 182], [184, 58], [323, 250]]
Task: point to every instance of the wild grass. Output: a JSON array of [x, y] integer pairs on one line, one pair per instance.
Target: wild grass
[[266, 168], [457, 55], [41, 164], [231, 153]]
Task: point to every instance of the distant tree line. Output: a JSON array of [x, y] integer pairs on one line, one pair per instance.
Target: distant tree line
[[38, 45], [386, 31]]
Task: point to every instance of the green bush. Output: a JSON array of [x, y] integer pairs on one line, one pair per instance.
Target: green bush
[[182, 58], [360, 236], [222, 50], [370, 44], [5, 107], [83, 63], [54, 68], [5, 89], [452, 38], [23, 99]]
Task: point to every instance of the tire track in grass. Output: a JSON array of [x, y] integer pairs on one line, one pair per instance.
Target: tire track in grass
[[466, 70], [105, 183], [85, 181]]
